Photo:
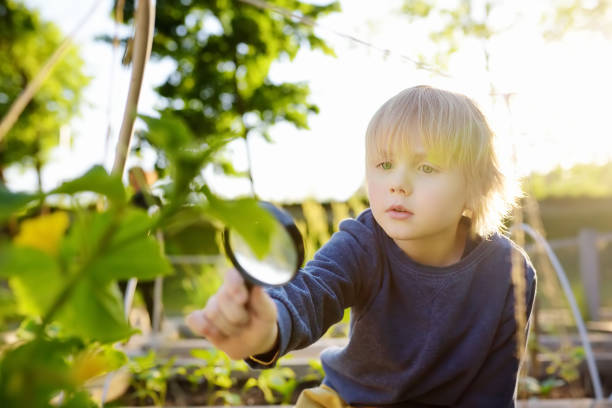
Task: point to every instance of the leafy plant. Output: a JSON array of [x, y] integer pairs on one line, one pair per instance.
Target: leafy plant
[[62, 267], [317, 366], [224, 52], [562, 370], [217, 373], [279, 379], [530, 386], [564, 363], [151, 377]]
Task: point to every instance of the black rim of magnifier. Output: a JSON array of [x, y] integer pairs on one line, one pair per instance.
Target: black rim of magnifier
[[287, 222]]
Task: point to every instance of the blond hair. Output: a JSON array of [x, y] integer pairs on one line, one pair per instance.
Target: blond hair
[[451, 128]]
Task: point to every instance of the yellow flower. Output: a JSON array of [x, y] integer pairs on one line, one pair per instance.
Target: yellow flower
[[88, 365], [43, 232]]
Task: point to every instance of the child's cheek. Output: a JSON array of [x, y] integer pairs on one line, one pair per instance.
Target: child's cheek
[[376, 197], [374, 190]]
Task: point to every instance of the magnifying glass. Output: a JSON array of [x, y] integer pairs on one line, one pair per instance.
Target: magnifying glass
[[282, 261]]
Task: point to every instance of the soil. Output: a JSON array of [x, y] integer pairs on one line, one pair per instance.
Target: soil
[[181, 393]]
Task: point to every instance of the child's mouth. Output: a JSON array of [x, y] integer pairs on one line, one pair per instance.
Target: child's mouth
[[399, 212]]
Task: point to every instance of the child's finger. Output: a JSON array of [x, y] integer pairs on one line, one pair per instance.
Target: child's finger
[[211, 332], [233, 310], [214, 313], [262, 304], [234, 285], [199, 324], [194, 322]]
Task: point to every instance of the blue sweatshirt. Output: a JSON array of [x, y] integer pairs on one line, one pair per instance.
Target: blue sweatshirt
[[420, 336]]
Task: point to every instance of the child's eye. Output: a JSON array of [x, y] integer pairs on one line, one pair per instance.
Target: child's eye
[[386, 165], [426, 168]]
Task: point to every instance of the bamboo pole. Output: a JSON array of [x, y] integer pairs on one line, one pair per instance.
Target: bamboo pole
[[143, 41]]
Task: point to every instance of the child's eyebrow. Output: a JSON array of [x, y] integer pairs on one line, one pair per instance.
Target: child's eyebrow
[[383, 153], [418, 156], [413, 156]]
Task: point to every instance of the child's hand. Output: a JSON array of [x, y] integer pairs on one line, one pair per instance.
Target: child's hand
[[236, 321]]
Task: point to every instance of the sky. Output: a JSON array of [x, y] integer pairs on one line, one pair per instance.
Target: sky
[[558, 114]]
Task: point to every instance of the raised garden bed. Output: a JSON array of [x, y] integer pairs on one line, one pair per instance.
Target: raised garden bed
[[178, 376]]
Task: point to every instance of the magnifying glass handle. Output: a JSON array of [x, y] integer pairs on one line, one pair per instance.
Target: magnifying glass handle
[[248, 285]]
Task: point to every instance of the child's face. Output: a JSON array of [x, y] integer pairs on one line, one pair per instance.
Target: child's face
[[414, 198]]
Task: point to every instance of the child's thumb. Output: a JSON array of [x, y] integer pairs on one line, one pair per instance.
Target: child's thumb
[[262, 304]]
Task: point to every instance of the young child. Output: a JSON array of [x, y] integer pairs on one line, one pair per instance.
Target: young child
[[425, 270]]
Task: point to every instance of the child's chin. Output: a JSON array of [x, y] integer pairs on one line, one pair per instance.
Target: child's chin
[[398, 234]]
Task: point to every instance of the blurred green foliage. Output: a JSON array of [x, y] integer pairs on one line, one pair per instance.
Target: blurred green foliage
[[452, 24], [62, 267], [572, 15], [26, 42], [580, 180], [224, 51]]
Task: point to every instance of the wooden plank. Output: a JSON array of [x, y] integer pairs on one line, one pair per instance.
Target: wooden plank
[[602, 327], [588, 257], [564, 403], [555, 403]]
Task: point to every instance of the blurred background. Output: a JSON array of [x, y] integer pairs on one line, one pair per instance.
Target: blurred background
[[297, 102]]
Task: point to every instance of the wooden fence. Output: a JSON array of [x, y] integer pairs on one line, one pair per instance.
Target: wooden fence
[[589, 242]]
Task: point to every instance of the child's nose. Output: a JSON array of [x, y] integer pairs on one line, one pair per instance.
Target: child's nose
[[403, 187], [401, 190], [401, 180]]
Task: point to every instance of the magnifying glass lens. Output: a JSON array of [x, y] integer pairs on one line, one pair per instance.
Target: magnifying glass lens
[[277, 267], [284, 257]]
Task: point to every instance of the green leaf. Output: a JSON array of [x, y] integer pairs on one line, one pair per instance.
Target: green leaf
[[227, 167], [418, 8], [201, 354], [115, 358], [549, 384], [168, 132], [228, 397], [223, 381], [95, 312], [185, 154], [11, 202], [96, 180], [19, 261], [141, 364], [246, 217], [250, 383], [83, 237], [132, 252], [33, 372], [26, 268], [81, 399]]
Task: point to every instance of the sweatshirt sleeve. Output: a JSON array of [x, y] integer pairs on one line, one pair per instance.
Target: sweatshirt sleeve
[[336, 278], [496, 382]]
